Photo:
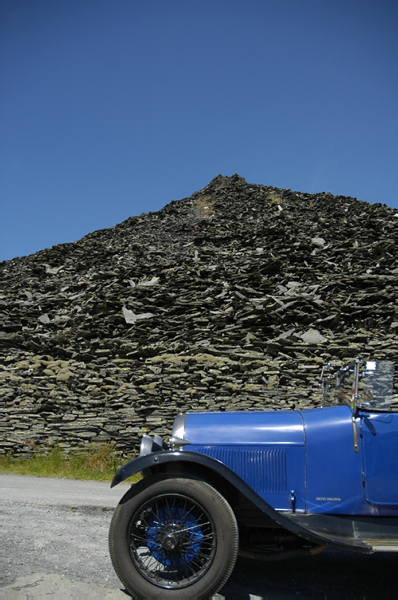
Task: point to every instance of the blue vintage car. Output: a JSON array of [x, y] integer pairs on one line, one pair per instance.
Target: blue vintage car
[[266, 485]]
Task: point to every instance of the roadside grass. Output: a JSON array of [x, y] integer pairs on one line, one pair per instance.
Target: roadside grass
[[98, 463]]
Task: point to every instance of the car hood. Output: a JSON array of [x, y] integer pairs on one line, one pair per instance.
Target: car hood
[[248, 428]]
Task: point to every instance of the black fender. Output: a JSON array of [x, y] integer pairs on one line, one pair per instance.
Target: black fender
[[155, 461]]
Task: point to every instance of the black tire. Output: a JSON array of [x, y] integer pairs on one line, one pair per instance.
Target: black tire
[[173, 538]]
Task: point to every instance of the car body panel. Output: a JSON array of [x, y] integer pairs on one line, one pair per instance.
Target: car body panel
[[267, 450], [272, 472], [308, 455], [334, 483], [265, 428], [379, 434]]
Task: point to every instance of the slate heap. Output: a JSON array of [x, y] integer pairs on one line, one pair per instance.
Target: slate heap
[[231, 299]]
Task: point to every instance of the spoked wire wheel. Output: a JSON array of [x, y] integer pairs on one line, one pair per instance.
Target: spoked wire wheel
[[173, 538], [172, 541]]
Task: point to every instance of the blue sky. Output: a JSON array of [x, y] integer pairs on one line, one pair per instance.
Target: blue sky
[[113, 108]]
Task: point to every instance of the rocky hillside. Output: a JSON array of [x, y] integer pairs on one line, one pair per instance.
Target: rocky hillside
[[231, 299]]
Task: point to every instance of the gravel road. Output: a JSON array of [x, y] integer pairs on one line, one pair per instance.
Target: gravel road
[[55, 540]]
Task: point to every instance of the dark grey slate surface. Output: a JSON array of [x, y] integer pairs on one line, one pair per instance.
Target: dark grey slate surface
[[230, 299]]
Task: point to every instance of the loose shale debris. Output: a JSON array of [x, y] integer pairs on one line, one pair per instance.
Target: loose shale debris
[[231, 299]]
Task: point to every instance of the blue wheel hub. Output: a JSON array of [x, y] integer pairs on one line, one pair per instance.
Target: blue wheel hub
[[174, 537]]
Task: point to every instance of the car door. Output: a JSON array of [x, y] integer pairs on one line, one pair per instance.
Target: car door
[[379, 432]]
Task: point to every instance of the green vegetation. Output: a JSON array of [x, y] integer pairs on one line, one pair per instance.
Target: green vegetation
[[204, 207], [97, 462], [276, 199]]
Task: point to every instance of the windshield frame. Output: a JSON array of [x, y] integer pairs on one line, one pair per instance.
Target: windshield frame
[[361, 385]]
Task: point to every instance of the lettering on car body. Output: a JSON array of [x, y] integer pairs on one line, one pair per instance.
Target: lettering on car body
[[328, 499]]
